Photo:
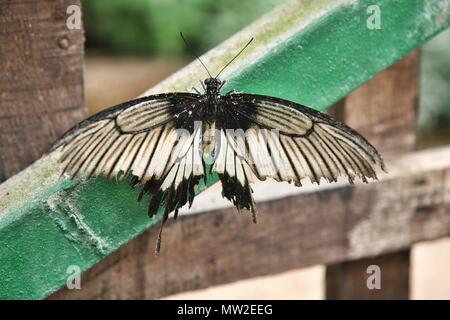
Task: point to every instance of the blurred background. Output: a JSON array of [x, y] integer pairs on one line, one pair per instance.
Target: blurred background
[[117, 57], [120, 66]]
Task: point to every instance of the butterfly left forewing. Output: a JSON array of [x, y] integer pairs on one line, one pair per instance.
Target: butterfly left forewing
[[153, 138]]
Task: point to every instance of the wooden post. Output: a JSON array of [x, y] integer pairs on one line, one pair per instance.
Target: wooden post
[[41, 82], [350, 279], [384, 111]]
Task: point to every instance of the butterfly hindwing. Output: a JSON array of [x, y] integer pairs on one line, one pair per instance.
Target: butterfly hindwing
[[234, 171]]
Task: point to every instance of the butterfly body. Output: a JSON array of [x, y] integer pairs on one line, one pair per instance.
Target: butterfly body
[[212, 93]]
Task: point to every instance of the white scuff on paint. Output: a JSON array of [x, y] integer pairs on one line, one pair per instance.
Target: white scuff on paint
[[28, 186], [435, 16], [437, 11], [71, 222]]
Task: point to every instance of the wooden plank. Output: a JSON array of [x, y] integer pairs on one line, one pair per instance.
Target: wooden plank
[[384, 111], [56, 223], [351, 279], [329, 226], [41, 83]]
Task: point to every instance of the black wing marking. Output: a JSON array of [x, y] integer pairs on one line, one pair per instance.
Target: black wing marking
[[181, 176], [287, 142], [234, 171]]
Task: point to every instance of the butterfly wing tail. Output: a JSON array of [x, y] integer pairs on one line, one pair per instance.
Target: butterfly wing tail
[[237, 190]]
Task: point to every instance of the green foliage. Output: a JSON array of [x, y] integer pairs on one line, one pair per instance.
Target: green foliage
[[152, 26], [435, 82]]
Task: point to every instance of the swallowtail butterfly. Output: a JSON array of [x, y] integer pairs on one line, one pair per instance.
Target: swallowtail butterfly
[[170, 141]]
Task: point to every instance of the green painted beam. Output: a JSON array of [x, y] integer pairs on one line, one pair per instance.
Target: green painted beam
[[313, 52]]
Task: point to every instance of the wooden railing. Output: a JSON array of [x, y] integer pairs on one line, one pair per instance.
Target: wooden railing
[[313, 52]]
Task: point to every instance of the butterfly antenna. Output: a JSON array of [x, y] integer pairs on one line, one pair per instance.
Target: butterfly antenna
[[197, 57], [237, 55]]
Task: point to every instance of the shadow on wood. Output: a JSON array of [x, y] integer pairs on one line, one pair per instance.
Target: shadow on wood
[[348, 280]]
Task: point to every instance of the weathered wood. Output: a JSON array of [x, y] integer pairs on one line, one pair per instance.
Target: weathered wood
[[79, 224], [348, 280], [41, 82], [343, 223], [384, 111]]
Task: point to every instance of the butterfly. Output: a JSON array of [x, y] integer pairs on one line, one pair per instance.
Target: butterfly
[[170, 142]]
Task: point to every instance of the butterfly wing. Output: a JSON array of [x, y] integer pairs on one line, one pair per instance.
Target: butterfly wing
[[288, 142], [154, 138]]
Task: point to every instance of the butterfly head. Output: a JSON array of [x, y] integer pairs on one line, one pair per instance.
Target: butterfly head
[[213, 85]]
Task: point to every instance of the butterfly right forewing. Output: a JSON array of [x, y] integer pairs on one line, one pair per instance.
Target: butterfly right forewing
[[320, 146], [287, 142]]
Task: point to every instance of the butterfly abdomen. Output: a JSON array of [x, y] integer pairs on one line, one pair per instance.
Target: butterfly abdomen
[[209, 138]]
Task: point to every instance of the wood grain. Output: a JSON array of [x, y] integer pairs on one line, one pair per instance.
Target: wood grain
[[384, 108], [41, 81], [340, 224], [384, 111], [348, 280]]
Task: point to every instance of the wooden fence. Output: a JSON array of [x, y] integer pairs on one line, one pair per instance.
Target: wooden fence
[[313, 52]]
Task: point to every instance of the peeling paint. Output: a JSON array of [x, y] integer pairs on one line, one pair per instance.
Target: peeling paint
[[62, 209], [41, 176], [437, 13]]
